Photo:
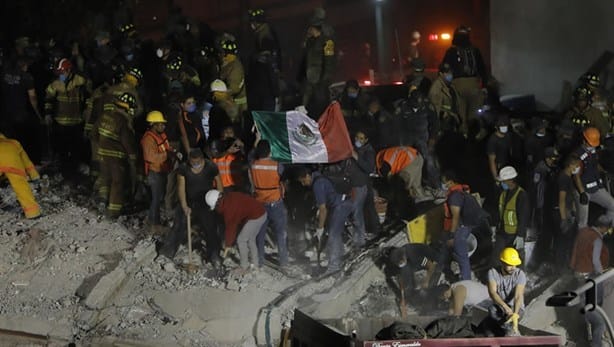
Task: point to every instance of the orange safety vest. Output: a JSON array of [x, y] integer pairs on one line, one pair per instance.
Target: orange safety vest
[[447, 221], [265, 177], [397, 157], [582, 253], [229, 172], [162, 146]]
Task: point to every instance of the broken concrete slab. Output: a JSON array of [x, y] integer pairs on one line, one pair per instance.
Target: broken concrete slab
[[38, 327]]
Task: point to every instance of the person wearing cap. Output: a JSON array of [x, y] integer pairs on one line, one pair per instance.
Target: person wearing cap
[[157, 156], [417, 79], [536, 142], [233, 74], [64, 111], [589, 185], [589, 255], [582, 114], [264, 64], [470, 75], [319, 60], [445, 99], [544, 195], [117, 151], [353, 101], [506, 285], [514, 212], [499, 147], [195, 177], [243, 217]]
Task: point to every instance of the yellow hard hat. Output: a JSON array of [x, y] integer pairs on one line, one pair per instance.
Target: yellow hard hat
[[510, 256], [155, 117]]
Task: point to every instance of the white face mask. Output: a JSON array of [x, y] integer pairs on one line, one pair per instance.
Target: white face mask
[[159, 53], [357, 143], [503, 129]]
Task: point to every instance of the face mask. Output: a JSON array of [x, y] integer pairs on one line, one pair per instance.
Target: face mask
[[357, 143], [129, 57], [197, 166], [191, 108], [402, 265], [352, 95], [448, 77], [444, 186], [575, 171], [540, 134], [503, 129], [504, 186], [159, 53], [63, 77]]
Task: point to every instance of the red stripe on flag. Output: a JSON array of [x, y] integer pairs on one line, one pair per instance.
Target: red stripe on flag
[[335, 133]]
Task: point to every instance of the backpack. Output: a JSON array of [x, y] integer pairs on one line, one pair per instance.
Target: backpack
[[339, 175], [450, 327], [467, 59]]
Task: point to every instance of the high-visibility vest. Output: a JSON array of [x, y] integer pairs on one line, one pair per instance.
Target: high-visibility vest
[[447, 221], [265, 177], [397, 157], [162, 146], [229, 172], [508, 214], [582, 253]]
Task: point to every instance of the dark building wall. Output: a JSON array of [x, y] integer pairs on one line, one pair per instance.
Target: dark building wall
[[538, 47]]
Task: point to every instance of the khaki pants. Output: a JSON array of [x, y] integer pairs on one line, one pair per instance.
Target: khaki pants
[[470, 99], [412, 176]]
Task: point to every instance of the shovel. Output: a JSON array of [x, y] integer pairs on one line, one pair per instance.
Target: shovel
[[190, 267]]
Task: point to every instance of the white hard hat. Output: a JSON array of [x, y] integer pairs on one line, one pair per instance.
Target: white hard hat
[[218, 86], [211, 198], [507, 173]]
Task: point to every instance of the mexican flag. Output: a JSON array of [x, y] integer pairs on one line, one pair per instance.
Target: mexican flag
[[296, 138]]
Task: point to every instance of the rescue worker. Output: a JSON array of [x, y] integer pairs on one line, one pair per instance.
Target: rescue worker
[[599, 97], [590, 257], [418, 126], [406, 162], [584, 115], [117, 151], [129, 84], [228, 157], [265, 64], [190, 124], [544, 195], [536, 142], [223, 107], [333, 210], [239, 210], [157, 155], [180, 76], [233, 75], [445, 99], [17, 167], [353, 102], [506, 286], [319, 66], [499, 147], [408, 259], [462, 295], [64, 98], [463, 216], [364, 196], [195, 178], [565, 214], [588, 181], [382, 124], [265, 175], [102, 61], [469, 73], [417, 80], [514, 212]]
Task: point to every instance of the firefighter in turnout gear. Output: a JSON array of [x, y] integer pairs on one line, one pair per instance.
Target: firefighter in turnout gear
[[64, 105], [17, 167], [129, 84], [233, 75], [584, 115], [117, 151]]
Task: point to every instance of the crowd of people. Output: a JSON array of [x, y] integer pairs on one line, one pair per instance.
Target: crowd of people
[[122, 114]]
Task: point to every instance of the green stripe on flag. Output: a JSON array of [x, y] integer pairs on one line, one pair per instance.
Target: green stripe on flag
[[272, 127]]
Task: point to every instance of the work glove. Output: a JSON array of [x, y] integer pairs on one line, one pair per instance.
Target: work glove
[[584, 198], [514, 320], [519, 242]]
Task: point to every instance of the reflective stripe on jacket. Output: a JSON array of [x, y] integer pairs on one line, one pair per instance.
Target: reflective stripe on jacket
[[507, 211], [397, 157], [265, 177], [155, 152]]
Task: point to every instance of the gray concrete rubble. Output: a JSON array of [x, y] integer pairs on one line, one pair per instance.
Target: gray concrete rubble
[[74, 276]]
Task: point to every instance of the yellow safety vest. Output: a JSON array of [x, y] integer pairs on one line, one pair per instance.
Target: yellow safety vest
[[508, 214]]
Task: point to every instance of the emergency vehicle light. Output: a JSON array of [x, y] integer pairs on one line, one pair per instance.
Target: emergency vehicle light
[[433, 37], [445, 36], [366, 82]]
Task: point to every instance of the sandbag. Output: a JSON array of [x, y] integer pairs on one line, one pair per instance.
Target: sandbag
[[450, 327]]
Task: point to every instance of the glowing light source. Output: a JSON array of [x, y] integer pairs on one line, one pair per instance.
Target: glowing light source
[[398, 83], [433, 37], [445, 36], [366, 82]]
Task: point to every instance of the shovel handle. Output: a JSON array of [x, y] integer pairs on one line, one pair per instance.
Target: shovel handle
[[189, 238]]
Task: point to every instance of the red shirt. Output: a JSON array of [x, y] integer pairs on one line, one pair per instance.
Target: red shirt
[[237, 208]]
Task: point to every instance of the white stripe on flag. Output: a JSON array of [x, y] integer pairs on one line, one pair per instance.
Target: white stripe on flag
[[304, 139]]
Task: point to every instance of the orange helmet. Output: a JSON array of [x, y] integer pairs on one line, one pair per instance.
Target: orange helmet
[[592, 136]]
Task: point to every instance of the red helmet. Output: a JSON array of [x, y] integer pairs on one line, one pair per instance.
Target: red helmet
[[64, 65]]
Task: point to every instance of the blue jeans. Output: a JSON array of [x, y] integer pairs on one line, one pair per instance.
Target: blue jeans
[[157, 183], [460, 251], [335, 227], [358, 215], [278, 220]]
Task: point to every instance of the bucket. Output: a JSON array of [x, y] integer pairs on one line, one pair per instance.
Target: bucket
[[472, 244]]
